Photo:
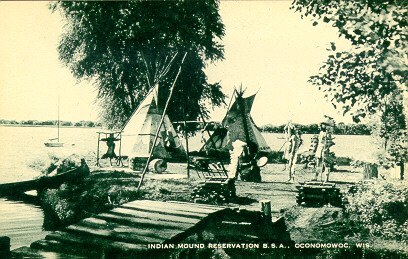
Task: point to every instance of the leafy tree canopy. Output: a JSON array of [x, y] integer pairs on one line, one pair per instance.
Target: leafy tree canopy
[[372, 77], [117, 43], [376, 68]]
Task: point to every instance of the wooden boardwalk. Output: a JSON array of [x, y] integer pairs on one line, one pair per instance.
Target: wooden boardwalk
[[128, 229]]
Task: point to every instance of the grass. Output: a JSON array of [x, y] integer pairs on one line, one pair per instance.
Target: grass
[[103, 190]]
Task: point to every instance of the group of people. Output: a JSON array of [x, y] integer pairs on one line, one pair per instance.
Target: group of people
[[244, 162], [321, 151]]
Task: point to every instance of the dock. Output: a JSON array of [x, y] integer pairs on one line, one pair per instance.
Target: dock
[[130, 230]]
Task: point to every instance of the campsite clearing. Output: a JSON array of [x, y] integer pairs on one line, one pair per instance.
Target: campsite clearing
[[274, 185], [173, 185]]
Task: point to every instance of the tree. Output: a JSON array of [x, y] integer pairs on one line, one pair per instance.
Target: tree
[[117, 43], [66, 123], [364, 80]]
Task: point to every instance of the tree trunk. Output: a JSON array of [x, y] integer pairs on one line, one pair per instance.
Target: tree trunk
[[405, 112], [370, 171]]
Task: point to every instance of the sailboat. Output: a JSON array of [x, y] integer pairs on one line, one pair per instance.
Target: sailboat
[[55, 142]]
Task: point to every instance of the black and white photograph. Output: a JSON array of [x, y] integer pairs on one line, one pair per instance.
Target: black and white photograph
[[204, 129]]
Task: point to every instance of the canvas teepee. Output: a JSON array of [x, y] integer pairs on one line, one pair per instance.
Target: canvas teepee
[[139, 133], [237, 125], [140, 130]]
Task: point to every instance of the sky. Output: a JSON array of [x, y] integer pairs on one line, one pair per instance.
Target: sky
[[269, 49]]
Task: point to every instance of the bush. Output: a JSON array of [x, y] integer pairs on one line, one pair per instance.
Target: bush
[[58, 212], [378, 209], [343, 161], [101, 191]]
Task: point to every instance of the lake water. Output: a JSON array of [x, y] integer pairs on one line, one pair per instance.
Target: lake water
[[21, 146], [356, 147]]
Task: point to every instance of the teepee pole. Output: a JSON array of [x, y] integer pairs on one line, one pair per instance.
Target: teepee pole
[[186, 137], [58, 123], [160, 124], [187, 149]]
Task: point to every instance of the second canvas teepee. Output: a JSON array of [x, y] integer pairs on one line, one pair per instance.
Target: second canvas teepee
[[237, 125]]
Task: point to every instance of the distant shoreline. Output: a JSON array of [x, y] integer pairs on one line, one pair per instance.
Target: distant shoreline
[[49, 126]]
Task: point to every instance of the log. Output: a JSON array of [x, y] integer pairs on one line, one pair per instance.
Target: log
[[157, 166], [40, 183], [370, 171]]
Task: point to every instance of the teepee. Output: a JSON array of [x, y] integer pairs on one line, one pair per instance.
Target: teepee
[[237, 125], [139, 133]]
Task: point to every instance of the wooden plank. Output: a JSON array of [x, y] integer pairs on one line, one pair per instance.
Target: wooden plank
[[86, 230], [238, 238], [168, 205], [199, 206], [234, 230], [154, 216], [208, 206], [95, 221], [180, 206], [163, 234], [121, 230], [69, 238], [149, 223], [64, 250], [168, 210], [112, 235], [190, 204]]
